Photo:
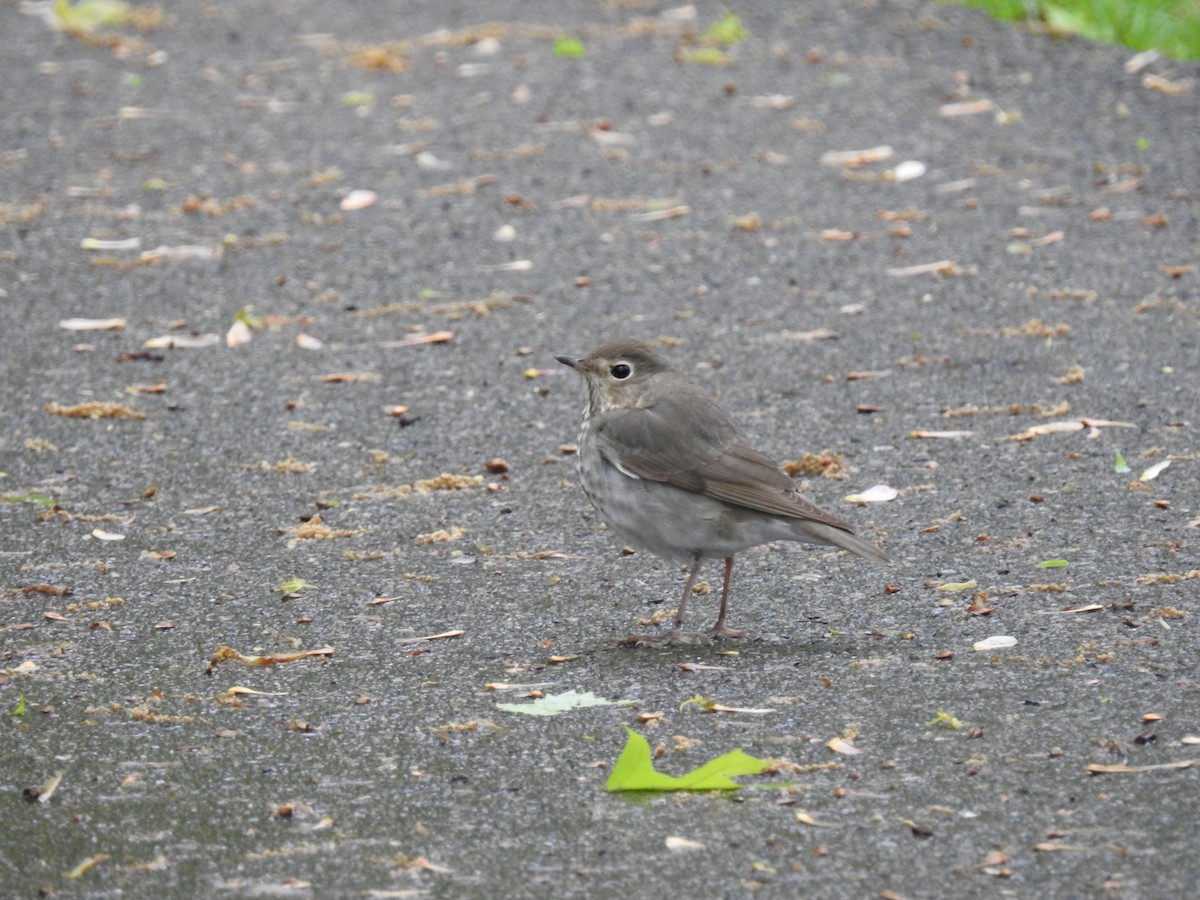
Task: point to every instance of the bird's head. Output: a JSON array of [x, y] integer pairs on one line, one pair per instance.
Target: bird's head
[[617, 373]]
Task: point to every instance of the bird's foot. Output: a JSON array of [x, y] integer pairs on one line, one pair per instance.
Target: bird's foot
[[723, 630]]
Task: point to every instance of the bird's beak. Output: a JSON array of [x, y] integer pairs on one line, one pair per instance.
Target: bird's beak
[[571, 362]]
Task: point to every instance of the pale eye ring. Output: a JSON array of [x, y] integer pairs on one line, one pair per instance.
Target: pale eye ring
[[621, 371]]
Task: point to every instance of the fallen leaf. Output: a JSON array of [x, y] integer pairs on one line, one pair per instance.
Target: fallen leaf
[[47, 789], [943, 435], [225, 654], [880, 493], [554, 704], [817, 334], [507, 686], [100, 244], [966, 108], [1164, 85], [853, 159], [182, 342], [238, 334], [841, 745], [1154, 471], [295, 585], [946, 720], [86, 866], [445, 635], [660, 215], [358, 199], [713, 706], [955, 586], [997, 642], [1049, 428], [1054, 847], [805, 819], [92, 324], [348, 377], [634, 771], [238, 691], [941, 267], [683, 845], [1123, 769], [94, 410], [908, 170], [438, 337]]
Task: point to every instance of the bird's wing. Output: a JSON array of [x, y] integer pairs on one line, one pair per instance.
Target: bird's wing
[[688, 441], [743, 476]]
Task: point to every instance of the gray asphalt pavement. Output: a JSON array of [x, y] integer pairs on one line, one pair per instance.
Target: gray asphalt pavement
[[868, 226]]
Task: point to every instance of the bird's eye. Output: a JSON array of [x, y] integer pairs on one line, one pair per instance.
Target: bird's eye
[[621, 371]]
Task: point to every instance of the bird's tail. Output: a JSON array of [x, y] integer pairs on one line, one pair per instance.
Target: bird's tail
[[820, 533]]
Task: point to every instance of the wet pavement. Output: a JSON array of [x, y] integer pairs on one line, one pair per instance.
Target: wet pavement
[[983, 317]]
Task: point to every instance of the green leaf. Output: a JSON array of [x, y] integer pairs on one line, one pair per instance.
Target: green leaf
[[35, 499], [568, 48], [634, 771], [292, 585], [946, 720], [1051, 564], [1120, 466], [19, 710], [554, 704], [726, 30]]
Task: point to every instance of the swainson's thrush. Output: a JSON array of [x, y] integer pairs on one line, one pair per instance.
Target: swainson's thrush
[[668, 469]]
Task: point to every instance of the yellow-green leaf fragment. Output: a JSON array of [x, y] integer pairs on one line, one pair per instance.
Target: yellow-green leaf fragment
[[726, 30], [1051, 564], [1120, 466], [945, 720], [568, 48], [36, 499], [634, 771], [88, 15], [246, 316], [292, 585], [711, 56], [954, 586], [553, 704]]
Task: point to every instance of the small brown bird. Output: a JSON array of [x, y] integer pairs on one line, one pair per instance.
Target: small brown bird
[[669, 470]]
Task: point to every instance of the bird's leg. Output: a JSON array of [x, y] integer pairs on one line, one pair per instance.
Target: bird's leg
[[721, 627], [677, 628], [676, 633]]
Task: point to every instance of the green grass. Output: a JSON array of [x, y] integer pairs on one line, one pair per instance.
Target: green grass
[[1169, 26]]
